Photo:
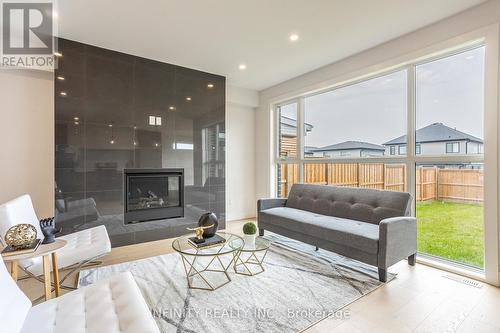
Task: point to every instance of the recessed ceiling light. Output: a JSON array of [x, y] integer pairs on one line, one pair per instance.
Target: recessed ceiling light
[[63, 93], [210, 85], [58, 54], [294, 37], [242, 67], [171, 107], [61, 78], [188, 98]]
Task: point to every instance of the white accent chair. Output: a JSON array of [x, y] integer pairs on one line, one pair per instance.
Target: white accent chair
[[83, 246], [108, 306]]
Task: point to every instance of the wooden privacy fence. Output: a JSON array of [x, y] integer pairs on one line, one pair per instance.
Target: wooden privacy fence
[[432, 183]]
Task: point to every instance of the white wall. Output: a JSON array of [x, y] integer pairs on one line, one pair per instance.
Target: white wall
[[27, 137], [240, 153]]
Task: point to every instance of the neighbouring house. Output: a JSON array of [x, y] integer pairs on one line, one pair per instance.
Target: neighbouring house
[[348, 149], [437, 138], [309, 151], [288, 134]]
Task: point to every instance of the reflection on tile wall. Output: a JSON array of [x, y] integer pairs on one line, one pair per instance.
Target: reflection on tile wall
[[116, 111]]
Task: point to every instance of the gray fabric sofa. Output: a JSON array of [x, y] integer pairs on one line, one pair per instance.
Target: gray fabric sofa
[[371, 226]]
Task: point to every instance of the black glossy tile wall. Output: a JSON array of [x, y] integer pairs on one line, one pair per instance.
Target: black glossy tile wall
[[103, 104]]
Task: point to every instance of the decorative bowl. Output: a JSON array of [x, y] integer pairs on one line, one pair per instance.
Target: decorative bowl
[[20, 236]]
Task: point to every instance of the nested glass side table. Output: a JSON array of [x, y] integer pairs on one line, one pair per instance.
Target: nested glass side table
[[249, 260], [206, 268]]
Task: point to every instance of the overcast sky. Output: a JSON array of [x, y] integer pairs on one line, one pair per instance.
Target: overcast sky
[[449, 91]]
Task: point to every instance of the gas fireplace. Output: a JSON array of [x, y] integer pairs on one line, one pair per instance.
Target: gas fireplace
[[153, 194]]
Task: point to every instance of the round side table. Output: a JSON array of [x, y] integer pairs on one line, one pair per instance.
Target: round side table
[[45, 251], [251, 256], [201, 264]]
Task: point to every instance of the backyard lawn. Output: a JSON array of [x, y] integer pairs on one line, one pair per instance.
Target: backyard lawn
[[451, 230]]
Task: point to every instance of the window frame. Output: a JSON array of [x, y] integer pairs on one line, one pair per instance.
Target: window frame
[[402, 147], [452, 143], [411, 159]]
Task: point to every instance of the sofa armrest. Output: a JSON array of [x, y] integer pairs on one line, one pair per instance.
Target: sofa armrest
[[397, 240], [263, 204]]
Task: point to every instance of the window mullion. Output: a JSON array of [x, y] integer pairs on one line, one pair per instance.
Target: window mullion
[[411, 140], [300, 137]]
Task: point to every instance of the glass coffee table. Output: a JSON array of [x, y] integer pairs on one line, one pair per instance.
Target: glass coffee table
[[248, 261], [206, 268]]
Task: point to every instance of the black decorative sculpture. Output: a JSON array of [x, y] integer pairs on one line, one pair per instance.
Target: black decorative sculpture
[[209, 219], [48, 229]]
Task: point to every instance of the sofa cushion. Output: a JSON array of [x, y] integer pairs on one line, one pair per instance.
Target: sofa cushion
[[359, 235], [360, 204]]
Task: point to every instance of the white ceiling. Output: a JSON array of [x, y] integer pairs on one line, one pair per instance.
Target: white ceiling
[[217, 35]]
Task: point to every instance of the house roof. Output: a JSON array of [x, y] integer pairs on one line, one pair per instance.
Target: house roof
[[348, 145], [436, 132], [289, 125], [309, 149]]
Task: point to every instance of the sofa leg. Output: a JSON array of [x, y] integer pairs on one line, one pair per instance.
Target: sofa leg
[[261, 232], [382, 275], [412, 259], [317, 248]]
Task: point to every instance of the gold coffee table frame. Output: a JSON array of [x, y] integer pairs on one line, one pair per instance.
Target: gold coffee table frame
[[261, 246], [191, 256]]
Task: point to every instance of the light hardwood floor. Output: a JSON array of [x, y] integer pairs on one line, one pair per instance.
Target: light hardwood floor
[[420, 299]]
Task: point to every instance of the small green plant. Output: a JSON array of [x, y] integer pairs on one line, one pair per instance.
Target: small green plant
[[249, 228]]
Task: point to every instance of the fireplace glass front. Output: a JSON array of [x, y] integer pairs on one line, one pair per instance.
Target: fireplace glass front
[[153, 194]]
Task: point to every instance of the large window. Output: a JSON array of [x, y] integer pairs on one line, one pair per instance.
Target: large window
[[288, 130], [449, 210], [357, 120], [449, 122], [450, 104], [356, 135], [287, 175]]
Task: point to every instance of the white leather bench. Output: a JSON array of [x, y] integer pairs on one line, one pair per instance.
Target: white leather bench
[[108, 306]]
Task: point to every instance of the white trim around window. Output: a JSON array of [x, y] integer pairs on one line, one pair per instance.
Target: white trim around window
[[453, 147], [487, 36]]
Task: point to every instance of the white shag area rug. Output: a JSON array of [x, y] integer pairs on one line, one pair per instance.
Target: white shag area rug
[[299, 287]]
